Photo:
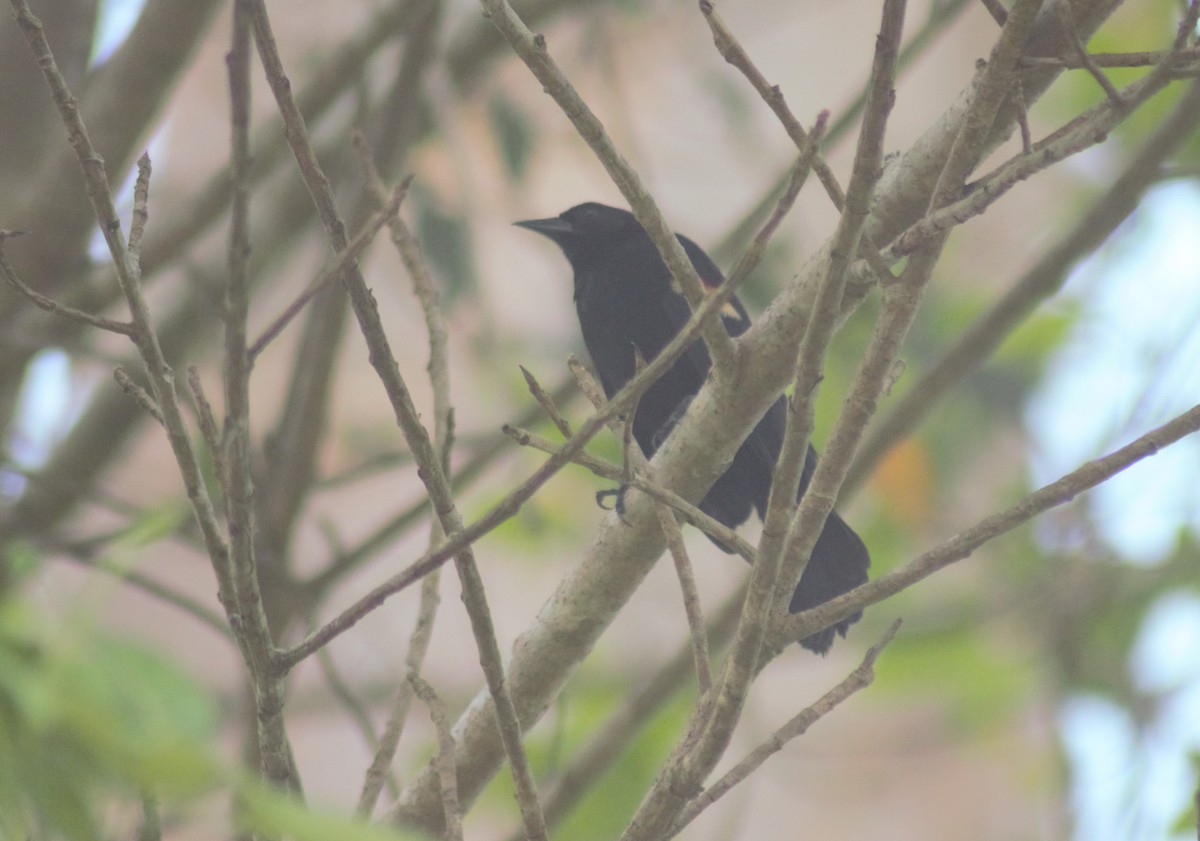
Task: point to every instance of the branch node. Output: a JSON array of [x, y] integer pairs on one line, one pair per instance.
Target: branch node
[[546, 402], [143, 397]]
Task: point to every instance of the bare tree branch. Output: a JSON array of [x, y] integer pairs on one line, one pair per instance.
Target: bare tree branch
[[691, 598], [243, 607], [415, 434], [418, 646], [1059, 492], [607, 470], [901, 299], [860, 678], [532, 50], [547, 403], [1185, 63], [694, 758], [1081, 54], [620, 555], [123, 328], [445, 756], [257, 542], [732, 51], [334, 270], [89, 552], [1087, 130], [139, 394], [1044, 279]]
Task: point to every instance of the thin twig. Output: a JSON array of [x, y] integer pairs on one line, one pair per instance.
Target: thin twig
[[718, 531], [445, 757], [139, 394], [344, 694], [439, 376], [695, 758], [512, 503], [141, 207], [418, 646], [435, 322], [631, 452], [587, 382], [1148, 58], [1043, 279], [546, 402], [238, 470], [822, 322], [417, 437], [1087, 130], [733, 53], [207, 421], [333, 271], [1058, 492], [235, 435], [1067, 21], [859, 679], [246, 616], [1022, 118], [88, 552], [609, 742], [752, 254], [532, 50], [691, 597], [123, 328], [634, 466], [997, 11]]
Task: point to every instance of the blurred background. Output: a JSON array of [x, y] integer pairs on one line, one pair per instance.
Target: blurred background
[[1047, 687]]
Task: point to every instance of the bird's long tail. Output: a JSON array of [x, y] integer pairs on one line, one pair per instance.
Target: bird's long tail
[[839, 564]]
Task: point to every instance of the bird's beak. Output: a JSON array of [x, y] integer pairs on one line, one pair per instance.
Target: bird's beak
[[555, 227]]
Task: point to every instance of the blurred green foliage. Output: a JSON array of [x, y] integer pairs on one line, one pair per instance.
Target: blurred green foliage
[[514, 132], [583, 709], [86, 720], [91, 726]]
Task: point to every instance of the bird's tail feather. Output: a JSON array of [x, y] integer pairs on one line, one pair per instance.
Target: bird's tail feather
[[839, 564]]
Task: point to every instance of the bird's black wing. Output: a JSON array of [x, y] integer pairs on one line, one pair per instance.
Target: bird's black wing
[[677, 313], [762, 446]]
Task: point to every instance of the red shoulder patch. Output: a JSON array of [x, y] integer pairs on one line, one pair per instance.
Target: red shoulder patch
[[710, 282]]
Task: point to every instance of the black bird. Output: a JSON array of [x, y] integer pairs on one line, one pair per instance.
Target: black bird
[[625, 298]]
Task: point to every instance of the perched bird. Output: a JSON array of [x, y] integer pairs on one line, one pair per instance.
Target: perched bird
[[626, 299]]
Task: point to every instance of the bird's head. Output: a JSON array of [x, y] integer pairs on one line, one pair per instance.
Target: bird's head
[[587, 229]]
